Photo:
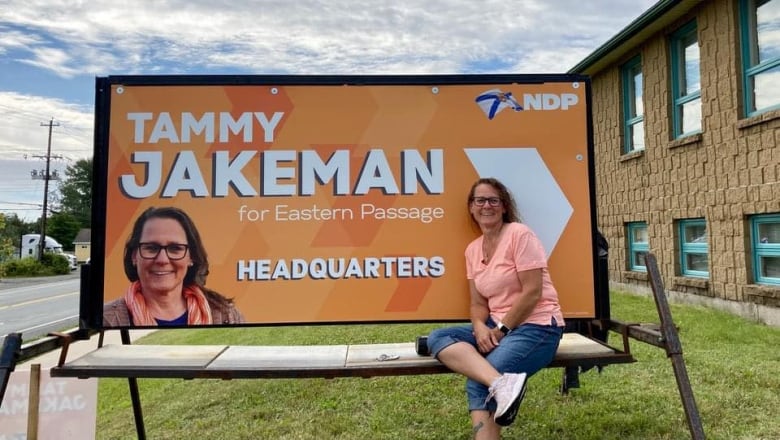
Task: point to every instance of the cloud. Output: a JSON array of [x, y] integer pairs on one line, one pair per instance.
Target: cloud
[[53, 59], [24, 127], [15, 39], [311, 36]]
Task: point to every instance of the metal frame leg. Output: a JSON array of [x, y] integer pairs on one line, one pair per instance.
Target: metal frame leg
[[674, 350], [135, 397], [10, 351]]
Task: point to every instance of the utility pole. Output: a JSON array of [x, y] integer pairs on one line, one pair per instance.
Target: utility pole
[[46, 178]]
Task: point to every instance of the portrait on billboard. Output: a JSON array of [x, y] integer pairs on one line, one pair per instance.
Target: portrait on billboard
[[167, 267]]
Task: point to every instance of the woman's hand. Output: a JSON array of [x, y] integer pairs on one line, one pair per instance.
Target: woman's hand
[[487, 338]]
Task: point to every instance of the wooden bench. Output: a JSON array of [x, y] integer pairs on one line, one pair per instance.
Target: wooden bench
[[299, 361], [276, 362]]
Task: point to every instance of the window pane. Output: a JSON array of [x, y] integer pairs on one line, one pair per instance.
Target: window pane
[[766, 86], [638, 136], [640, 259], [768, 29], [770, 267], [769, 233], [640, 235], [638, 107], [691, 116], [695, 233], [691, 53], [696, 262]]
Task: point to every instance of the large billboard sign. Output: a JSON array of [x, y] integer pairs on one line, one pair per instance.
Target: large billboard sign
[[337, 199]]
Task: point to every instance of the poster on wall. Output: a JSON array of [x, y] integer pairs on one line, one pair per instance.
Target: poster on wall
[[289, 199]]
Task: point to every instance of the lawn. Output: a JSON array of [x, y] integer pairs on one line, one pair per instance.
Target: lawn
[[733, 364]]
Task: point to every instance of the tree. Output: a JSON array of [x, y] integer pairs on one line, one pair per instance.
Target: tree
[[76, 192], [12, 229], [63, 227], [6, 244]]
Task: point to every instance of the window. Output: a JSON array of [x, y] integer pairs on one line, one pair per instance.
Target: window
[[633, 109], [765, 237], [686, 81], [637, 246], [760, 29], [693, 248]]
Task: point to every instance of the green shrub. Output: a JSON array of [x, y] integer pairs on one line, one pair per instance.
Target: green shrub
[[57, 263], [23, 267], [52, 264]]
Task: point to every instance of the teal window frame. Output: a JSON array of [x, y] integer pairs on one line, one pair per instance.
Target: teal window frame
[[752, 65], [682, 97], [761, 250], [688, 248], [631, 116], [637, 249]]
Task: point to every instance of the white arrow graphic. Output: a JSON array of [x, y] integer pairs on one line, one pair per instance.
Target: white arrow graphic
[[542, 204]]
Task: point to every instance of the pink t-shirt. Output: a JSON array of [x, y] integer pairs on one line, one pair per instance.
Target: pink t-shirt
[[519, 249]]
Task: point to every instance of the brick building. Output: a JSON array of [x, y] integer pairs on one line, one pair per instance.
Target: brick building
[[686, 121]]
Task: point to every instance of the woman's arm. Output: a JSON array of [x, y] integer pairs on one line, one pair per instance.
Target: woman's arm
[[531, 291], [486, 338]]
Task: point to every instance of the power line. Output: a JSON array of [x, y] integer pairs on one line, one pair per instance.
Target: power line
[[20, 203], [84, 138]]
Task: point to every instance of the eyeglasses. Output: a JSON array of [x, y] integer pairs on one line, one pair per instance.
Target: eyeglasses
[[492, 201], [174, 251]]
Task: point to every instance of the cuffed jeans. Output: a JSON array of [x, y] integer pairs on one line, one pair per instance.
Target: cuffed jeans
[[526, 349]]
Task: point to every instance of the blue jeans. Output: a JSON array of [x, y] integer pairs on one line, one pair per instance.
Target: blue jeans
[[526, 349]]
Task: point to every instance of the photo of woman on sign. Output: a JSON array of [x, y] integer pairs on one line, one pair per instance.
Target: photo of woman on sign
[[167, 266]]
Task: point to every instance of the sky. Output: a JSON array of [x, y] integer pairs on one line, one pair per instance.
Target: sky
[[51, 51]]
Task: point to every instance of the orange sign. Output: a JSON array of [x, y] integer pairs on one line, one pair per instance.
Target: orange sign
[[341, 202]]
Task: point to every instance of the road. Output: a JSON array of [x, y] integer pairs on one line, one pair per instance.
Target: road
[[37, 306]]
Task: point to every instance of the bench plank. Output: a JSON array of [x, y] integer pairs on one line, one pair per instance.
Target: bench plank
[[362, 355], [150, 356], [243, 357], [328, 361]]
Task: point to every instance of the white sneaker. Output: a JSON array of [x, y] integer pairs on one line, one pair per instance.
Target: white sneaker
[[508, 390]]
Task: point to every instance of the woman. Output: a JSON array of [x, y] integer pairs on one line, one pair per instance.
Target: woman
[[516, 321], [167, 266]]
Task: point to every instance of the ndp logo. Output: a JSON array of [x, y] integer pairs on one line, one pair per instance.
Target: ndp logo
[[549, 101], [494, 101]]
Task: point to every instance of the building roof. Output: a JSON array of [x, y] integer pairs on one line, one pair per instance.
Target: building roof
[[660, 15], [84, 236]]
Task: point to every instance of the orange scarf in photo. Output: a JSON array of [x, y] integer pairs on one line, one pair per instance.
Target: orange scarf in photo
[[198, 310]]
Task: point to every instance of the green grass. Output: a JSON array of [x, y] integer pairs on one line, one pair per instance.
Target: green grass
[[733, 364]]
